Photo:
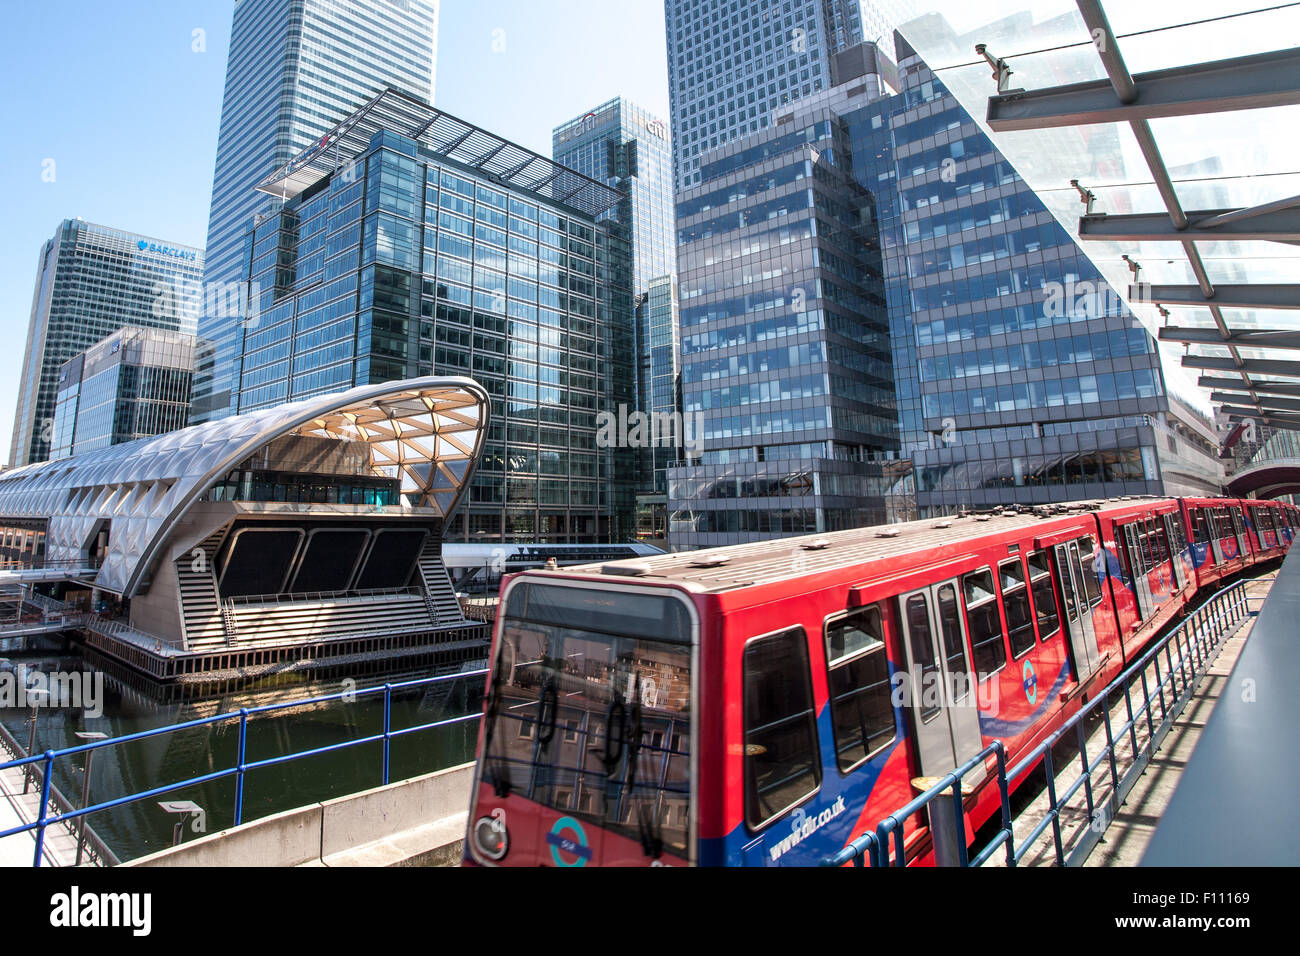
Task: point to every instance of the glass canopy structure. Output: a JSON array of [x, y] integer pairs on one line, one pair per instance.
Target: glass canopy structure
[[423, 436], [1166, 136]]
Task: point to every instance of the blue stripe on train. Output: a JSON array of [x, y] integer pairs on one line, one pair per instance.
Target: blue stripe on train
[[993, 727]]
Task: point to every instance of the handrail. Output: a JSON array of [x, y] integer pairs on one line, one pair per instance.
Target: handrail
[[242, 764], [1197, 639], [291, 596]]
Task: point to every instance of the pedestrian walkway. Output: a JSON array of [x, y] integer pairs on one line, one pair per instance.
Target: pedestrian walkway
[[1235, 802], [17, 808], [1089, 834]]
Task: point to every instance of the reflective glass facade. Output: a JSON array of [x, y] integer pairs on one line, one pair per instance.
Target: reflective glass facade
[[1016, 373], [295, 69], [624, 146], [1021, 375], [91, 281], [732, 62], [407, 263], [784, 343], [134, 384]]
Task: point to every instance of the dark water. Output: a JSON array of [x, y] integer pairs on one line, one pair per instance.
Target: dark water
[[129, 706]]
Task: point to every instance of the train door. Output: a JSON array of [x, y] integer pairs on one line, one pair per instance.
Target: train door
[[1239, 529], [943, 694], [1083, 637], [1132, 543], [1172, 537], [1216, 534]]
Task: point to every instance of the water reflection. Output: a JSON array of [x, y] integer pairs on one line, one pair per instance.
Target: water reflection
[[130, 704]]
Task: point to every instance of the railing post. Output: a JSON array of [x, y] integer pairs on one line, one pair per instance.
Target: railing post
[[959, 820], [1087, 771], [241, 754], [1004, 787], [1051, 797], [1146, 697], [388, 726], [1160, 684], [42, 821], [1110, 748]]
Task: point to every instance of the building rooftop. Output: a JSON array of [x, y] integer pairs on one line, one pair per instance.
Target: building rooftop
[[499, 159]]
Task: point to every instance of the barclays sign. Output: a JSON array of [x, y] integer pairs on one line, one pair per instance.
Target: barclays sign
[[144, 245]]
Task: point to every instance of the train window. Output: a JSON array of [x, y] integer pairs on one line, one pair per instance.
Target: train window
[[985, 626], [1067, 585], [1040, 582], [862, 712], [922, 649], [781, 765], [1198, 526], [1159, 546], [954, 648], [1179, 537], [1092, 574], [1015, 601]]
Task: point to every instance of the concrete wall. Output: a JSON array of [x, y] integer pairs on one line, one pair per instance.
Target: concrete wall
[[420, 821]]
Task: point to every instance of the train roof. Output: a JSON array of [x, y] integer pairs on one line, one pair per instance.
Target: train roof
[[763, 562]]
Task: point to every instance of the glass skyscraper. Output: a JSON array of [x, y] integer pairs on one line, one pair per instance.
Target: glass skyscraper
[[628, 148], [1022, 377], [91, 281], [1010, 371], [133, 384], [452, 251], [732, 62], [784, 340], [295, 69]]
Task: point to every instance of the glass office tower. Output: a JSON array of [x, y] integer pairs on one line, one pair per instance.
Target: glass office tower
[[1018, 375], [785, 343], [1021, 375], [627, 148], [92, 280], [425, 245], [732, 62], [133, 384], [295, 69]]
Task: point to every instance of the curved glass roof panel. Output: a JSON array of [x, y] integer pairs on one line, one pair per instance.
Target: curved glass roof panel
[[1220, 137]]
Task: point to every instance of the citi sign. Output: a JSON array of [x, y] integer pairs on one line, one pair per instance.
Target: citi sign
[[144, 245]]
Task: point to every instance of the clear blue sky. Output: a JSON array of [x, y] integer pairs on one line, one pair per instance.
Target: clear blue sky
[[115, 95]]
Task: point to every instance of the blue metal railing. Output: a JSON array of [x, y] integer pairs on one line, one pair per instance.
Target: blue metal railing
[[1188, 652], [242, 764]]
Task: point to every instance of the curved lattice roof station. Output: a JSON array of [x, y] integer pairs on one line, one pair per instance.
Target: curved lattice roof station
[[334, 497]]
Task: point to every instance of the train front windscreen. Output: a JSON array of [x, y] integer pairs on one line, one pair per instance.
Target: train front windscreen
[[586, 755]]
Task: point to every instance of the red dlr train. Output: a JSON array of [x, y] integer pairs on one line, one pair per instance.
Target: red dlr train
[[764, 704]]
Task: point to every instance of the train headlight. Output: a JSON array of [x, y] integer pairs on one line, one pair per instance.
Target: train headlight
[[491, 836]]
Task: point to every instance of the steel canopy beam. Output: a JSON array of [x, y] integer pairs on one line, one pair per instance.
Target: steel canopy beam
[[1280, 226], [1278, 404], [1246, 339], [1273, 418], [1237, 385], [1248, 366], [1261, 296], [1240, 83]]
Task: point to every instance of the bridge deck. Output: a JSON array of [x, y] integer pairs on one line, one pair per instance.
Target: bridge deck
[[1234, 805]]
